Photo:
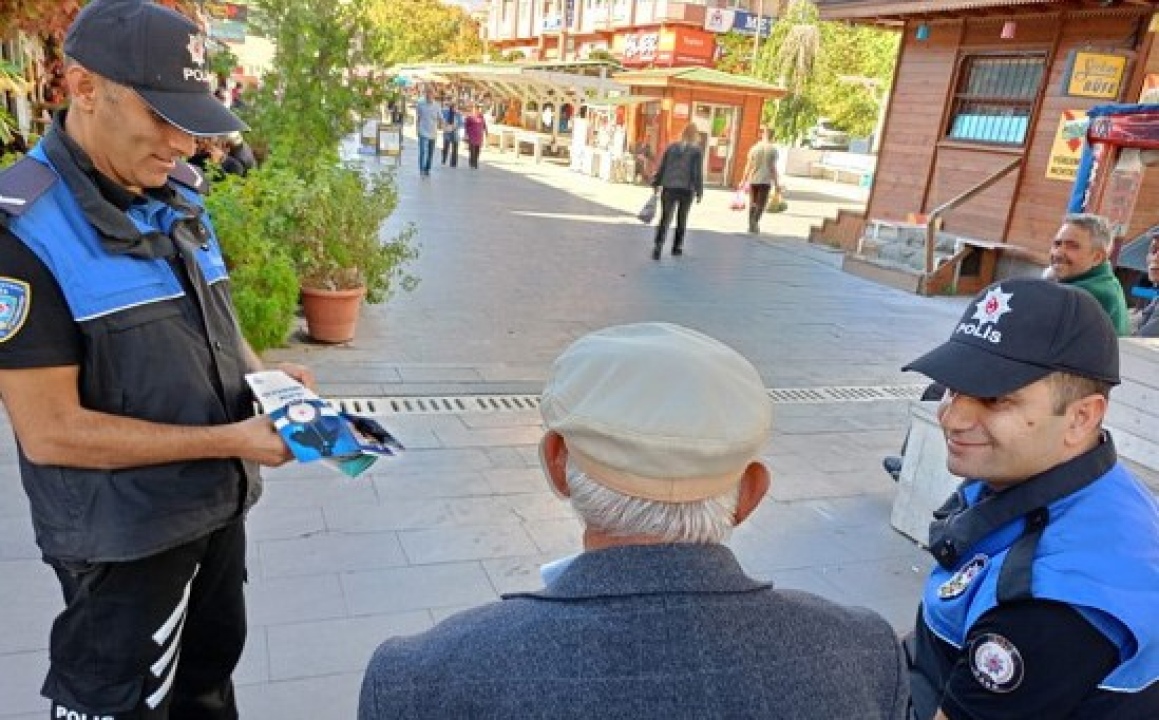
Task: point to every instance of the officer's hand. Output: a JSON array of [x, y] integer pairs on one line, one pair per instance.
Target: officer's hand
[[261, 442], [301, 373]]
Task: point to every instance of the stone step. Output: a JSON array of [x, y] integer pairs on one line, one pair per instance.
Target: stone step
[[895, 276]]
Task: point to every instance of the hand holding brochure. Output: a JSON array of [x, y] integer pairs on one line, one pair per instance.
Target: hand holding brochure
[[315, 430]]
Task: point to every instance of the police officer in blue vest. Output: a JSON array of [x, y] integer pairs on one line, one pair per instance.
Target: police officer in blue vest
[[1044, 600], [122, 369]]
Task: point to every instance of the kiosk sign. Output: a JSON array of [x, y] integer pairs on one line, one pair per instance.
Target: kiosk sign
[[1094, 74]]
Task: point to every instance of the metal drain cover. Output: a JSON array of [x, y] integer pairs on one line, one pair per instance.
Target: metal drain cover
[[456, 404]]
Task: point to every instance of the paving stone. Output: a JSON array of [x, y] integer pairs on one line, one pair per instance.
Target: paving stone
[[344, 645], [382, 592]]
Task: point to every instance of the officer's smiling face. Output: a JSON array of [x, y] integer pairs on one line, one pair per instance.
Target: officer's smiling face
[[1004, 440], [132, 145]]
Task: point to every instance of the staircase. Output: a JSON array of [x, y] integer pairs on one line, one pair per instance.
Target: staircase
[[894, 254]]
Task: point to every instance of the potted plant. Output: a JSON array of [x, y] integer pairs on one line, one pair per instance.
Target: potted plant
[[339, 250]]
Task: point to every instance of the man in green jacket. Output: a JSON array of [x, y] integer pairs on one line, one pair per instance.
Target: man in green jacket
[[1078, 256]]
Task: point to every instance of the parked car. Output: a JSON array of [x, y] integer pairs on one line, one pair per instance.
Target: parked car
[[823, 136]]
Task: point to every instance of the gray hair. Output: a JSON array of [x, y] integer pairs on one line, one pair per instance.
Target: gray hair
[[1097, 226], [613, 513]]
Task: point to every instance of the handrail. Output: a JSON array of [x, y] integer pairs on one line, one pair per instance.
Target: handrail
[[933, 222]]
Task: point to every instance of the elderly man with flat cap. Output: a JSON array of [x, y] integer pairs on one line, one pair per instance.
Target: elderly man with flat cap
[[122, 369], [1044, 600], [654, 434]]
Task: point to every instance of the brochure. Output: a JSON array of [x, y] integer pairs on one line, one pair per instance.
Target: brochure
[[315, 430]]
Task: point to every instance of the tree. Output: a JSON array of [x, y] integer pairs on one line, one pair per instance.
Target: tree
[[830, 69], [322, 80], [423, 30]]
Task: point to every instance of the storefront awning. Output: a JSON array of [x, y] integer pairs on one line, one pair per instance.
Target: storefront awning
[[699, 76]]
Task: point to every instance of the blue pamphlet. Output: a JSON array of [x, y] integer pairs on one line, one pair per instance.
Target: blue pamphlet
[[313, 429]]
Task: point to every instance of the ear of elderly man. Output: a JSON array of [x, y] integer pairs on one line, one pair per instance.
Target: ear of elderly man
[[653, 435]]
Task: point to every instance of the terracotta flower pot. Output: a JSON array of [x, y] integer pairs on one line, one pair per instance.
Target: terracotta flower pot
[[332, 315]]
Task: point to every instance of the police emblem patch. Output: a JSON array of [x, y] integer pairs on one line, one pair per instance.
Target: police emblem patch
[[15, 299], [995, 663], [961, 580]]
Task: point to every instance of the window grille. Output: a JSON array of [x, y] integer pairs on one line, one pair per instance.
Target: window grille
[[995, 97]]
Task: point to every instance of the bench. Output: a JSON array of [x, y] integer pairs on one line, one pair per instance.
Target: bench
[[845, 167], [535, 140]]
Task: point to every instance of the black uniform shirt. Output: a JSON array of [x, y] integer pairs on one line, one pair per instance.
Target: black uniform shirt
[[1061, 659]]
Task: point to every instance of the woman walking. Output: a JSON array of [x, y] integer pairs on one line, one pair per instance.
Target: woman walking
[[679, 178], [475, 128]]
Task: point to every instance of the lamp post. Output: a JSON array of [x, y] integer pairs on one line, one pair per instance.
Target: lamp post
[[757, 34]]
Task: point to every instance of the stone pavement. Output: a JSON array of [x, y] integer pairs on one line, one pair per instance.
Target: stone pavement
[[518, 260]]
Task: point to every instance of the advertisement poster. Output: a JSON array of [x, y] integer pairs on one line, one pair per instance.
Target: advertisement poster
[[1067, 149]]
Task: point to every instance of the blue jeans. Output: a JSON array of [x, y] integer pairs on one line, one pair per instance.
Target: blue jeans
[[426, 152]]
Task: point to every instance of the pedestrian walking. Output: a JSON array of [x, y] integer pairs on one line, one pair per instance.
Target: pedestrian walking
[[475, 128], [122, 369], [679, 178], [452, 124], [427, 118], [760, 174]]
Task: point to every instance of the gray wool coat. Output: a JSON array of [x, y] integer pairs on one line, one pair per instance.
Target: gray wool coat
[[658, 631]]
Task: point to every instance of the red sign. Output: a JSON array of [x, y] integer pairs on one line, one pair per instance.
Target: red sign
[[683, 46]]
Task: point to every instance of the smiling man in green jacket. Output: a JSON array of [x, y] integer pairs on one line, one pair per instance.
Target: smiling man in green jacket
[[1078, 256]]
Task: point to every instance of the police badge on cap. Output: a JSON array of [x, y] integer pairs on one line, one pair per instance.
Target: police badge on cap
[[157, 52]]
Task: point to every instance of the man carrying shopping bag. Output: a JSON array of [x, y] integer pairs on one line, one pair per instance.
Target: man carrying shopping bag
[[760, 174]]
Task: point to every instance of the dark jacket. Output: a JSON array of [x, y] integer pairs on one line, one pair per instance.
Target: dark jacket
[[681, 168], [158, 347], [641, 632]]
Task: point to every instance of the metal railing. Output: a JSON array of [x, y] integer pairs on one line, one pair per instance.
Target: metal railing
[[934, 220]]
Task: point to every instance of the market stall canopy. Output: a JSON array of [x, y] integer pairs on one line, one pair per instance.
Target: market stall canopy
[[579, 81], [699, 77]]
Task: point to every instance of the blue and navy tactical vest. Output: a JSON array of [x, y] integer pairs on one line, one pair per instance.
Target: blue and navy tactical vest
[[1098, 554], [157, 347]]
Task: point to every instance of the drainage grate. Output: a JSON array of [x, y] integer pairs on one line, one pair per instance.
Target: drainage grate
[[455, 404]]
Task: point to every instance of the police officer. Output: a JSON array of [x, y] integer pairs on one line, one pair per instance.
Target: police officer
[[122, 369], [1045, 597]]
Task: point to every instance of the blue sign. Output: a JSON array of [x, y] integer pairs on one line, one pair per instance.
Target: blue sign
[[747, 23]]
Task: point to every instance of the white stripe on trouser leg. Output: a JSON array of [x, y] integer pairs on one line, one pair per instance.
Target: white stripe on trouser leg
[[171, 628], [159, 694]]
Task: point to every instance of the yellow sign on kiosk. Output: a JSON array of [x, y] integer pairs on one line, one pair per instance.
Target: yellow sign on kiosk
[[1095, 74]]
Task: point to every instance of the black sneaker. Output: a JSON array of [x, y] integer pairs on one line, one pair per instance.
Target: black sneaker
[[656, 252], [677, 251], [892, 465]]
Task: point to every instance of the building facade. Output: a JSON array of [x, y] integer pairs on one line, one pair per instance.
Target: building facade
[[637, 33]]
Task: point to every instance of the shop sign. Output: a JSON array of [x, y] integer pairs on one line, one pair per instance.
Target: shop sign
[[719, 20], [750, 24], [639, 48], [1094, 74], [1067, 149], [684, 46]]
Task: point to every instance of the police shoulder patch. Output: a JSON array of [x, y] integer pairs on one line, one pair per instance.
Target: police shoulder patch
[[995, 663], [15, 299]]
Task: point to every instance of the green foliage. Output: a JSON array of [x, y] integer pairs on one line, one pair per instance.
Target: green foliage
[[423, 30], [736, 53], [253, 216], [222, 61], [320, 85], [338, 244], [831, 70]]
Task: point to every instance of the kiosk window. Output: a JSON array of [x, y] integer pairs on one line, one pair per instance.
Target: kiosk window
[[995, 97]]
